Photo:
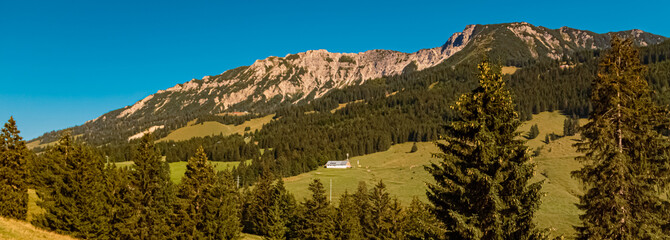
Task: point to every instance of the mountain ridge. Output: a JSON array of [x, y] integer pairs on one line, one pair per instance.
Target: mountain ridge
[[305, 76]]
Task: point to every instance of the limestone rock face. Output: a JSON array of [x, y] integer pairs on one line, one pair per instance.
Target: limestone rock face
[[295, 77], [309, 75]]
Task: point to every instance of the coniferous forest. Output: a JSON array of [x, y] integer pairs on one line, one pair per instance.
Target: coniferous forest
[[482, 189]]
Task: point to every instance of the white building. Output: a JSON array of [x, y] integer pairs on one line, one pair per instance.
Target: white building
[[338, 164]]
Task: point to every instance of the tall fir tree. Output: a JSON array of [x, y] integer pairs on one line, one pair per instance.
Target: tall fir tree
[[362, 199], [148, 206], [117, 192], [626, 159], [69, 180], [198, 179], [347, 222], [14, 156], [317, 218], [420, 223], [282, 213], [269, 210], [223, 209], [385, 215], [482, 188], [209, 202], [257, 205]]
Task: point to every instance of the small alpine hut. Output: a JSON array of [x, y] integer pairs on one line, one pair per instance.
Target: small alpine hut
[[338, 164]]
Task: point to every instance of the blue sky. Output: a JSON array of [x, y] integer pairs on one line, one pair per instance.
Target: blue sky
[[65, 62]]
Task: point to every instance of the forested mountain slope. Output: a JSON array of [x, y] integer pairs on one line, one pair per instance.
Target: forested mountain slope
[[280, 83]]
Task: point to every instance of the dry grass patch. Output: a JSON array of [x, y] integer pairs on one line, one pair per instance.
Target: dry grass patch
[[509, 70], [215, 128], [20, 230], [342, 105]]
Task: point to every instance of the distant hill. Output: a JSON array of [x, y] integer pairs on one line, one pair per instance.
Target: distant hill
[[275, 82]]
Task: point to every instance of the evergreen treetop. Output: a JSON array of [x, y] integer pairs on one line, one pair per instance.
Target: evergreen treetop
[[626, 158], [482, 189], [148, 205], [70, 181], [13, 172], [196, 183], [317, 218]]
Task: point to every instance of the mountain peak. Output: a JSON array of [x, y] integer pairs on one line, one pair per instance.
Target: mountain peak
[[304, 76]]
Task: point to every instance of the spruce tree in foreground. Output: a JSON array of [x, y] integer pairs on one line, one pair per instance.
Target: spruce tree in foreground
[[69, 179], [195, 184], [626, 159], [222, 212], [482, 188], [208, 202], [147, 210], [317, 217], [347, 223], [385, 215], [419, 223], [13, 173], [268, 209]]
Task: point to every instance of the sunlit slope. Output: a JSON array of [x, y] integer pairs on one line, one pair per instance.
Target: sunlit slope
[[20, 230], [405, 177], [215, 128]]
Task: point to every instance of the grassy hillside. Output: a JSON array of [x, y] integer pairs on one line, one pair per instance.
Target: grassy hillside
[[20, 230], [401, 171], [15, 229], [405, 177], [215, 128]]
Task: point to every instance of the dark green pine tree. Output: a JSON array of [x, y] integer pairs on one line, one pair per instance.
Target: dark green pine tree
[[626, 159], [277, 228], [222, 210], [534, 132], [481, 188], [209, 202], [69, 179], [198, 179], [269, 210], [282, 213], [317, 215], [419, 223], [385, 215], [362, 199], [347, 222], [570, 126], [414, 148], [148, 205], [257, 205], [13, 173], [116, 194]]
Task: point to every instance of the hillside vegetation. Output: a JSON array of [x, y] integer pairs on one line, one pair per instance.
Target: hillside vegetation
[[177, 169], [405, 177]]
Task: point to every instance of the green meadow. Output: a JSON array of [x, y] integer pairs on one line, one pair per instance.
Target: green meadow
[[404, 175], [210, 128]]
